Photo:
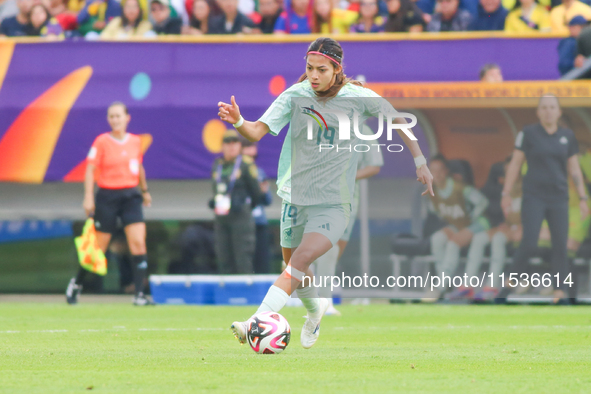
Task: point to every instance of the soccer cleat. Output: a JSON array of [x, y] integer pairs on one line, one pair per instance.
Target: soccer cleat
[[432, 296], [311, 329], [487, 294], [461, 293], [239, 329], [142, 300], [73, 291], [332, 311]]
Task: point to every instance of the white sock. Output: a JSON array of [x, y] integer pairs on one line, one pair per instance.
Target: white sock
[[438, 242], [497, 255], [451, 259], [325, 267], [275, 299], [309, 297], [476, 253]]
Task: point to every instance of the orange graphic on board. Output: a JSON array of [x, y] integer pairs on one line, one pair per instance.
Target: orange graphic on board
[[27, 146]]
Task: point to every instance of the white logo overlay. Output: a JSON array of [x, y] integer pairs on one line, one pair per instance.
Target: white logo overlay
[[394, 121]]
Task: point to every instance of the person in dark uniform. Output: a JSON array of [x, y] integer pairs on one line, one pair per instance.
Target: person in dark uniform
[[551, 155], [117, 157], [236, 192]]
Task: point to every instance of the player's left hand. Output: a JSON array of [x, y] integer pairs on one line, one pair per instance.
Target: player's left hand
[[424, 176], [147, 199]]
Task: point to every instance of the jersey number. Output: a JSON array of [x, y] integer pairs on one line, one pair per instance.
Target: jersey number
[[328, 135], [292, 213]]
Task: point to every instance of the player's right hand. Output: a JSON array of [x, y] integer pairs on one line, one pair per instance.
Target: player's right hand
[[88, 205], [229, 112]]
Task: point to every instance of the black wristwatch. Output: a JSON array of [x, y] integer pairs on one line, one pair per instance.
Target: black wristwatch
[[144, 191]]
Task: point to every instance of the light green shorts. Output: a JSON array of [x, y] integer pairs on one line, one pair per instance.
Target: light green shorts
[[354, 210], [296, 220]]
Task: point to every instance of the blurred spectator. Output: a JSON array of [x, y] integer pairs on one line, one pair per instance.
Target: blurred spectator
[[265, 19], [8, 9], [129, 24], [449, 17], [526, 16], [96, 14], [214, 8], [177, 10], [261, 262], [17, 25], [404, 16], [369, 20], [462, 207], [551, 154], [562, 14], [355, 5], [41, 24], [76, 5], [471, 6], [491, 73], [198, 19], [504, 229], [247, 7], [58, 9], [326, 19], [547, 4], [231, 21], [578, 230], [429, 7], [490, 16], [296, 19], [236, 192], [583, 47], [163, 22], [567, 47]]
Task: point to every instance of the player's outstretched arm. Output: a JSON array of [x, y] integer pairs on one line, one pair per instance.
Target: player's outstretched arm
[[423, 173], [252, 131]]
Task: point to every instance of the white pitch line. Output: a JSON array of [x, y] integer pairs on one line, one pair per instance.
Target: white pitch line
[[110, 330], [446, 327]]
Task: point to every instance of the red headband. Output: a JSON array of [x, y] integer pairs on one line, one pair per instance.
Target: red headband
[[325, 55]]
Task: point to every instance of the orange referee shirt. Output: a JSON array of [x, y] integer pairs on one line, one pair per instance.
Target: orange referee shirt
[[118, 162]]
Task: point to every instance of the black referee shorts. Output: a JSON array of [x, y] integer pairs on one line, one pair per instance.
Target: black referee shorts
[[111, 204]]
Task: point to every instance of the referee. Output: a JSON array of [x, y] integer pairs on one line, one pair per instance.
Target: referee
[[551, 155], [117, 158]]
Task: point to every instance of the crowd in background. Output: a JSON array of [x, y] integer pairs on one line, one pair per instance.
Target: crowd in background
[[94, 19]]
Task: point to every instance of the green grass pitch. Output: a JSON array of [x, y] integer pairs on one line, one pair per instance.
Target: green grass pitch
[[380, 348]]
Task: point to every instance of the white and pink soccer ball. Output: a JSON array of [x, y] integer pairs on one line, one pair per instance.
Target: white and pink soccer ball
[[268, 333]]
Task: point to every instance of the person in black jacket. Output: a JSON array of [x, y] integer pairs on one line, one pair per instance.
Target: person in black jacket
[[163, 22], [236, 192]]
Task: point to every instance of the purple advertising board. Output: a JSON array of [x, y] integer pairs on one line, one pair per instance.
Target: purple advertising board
[[172, 91]]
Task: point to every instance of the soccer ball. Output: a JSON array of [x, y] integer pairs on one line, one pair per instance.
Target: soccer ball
[[268, 333]]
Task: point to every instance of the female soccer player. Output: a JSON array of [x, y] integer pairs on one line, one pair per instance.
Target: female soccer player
[[316, 186], [117, 155]]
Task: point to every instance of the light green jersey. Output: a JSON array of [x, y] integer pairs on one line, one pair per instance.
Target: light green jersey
[[316, 165]]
